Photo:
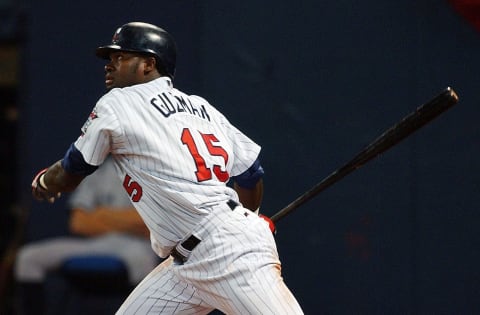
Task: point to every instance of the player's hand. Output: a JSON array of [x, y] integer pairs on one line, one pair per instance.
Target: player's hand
[[39, 191], [271, 225]]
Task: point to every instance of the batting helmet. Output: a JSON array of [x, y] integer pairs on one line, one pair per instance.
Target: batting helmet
[[144, 38]]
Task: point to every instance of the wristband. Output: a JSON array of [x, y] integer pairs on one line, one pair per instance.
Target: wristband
[[41, 181]]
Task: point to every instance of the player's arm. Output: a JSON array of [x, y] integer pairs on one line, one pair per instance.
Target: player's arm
[[62, 176], [251, 198], [249, 186]]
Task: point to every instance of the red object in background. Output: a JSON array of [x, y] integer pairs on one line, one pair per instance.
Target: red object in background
[[469, 9], [357, 239]]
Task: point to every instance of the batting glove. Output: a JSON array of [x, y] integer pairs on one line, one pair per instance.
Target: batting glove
[[271, 225], [40, 191]]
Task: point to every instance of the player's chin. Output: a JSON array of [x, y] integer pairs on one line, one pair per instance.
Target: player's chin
[[108, 87]]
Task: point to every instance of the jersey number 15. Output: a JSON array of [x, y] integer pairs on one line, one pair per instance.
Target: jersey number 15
[[204, 172]]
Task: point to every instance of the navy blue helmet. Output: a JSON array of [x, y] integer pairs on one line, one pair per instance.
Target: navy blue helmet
[[144, 38]]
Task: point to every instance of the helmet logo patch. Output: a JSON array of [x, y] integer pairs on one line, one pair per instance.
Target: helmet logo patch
[[116, 36]]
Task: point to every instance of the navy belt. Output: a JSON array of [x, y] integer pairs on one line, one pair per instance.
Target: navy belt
[[232, 204], [192, 242], [189, 244]]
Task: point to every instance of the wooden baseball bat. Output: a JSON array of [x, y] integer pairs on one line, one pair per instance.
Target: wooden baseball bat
[[399, 131]]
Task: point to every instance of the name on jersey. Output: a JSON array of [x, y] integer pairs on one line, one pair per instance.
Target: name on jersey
[[169, 106]]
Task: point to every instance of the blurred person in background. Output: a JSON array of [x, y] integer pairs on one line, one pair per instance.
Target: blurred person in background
[[102, 222]]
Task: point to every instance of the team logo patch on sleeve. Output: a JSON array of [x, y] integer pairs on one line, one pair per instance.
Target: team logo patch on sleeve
[[93, 115]]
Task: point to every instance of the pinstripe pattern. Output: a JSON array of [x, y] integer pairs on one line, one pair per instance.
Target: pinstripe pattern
[[235, 269], [161, 140]]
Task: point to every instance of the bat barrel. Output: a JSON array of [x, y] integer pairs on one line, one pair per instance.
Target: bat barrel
[[399, 131]]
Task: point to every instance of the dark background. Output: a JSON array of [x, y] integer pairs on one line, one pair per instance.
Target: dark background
[[313, 82]]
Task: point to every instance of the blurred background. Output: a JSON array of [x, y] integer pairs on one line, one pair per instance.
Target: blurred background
[[313, 82]]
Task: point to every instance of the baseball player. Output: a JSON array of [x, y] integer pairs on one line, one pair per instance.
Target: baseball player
[[175, 154]]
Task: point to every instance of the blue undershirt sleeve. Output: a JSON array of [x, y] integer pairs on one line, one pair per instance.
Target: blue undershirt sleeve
[[251, 176], [74, 163]]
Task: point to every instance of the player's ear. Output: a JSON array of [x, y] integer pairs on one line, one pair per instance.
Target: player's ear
[[150, 65]]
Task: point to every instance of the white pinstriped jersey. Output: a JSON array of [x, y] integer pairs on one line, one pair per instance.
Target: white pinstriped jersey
[[174, 153]]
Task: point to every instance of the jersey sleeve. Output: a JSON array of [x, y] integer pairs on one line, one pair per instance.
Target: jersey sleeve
[[245, 150], [98, 132]]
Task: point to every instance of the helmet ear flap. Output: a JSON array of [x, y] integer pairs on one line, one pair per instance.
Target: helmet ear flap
[[144, 38], [162, 69]]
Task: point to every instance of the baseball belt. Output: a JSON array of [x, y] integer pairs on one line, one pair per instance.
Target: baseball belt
[[192, 241]]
